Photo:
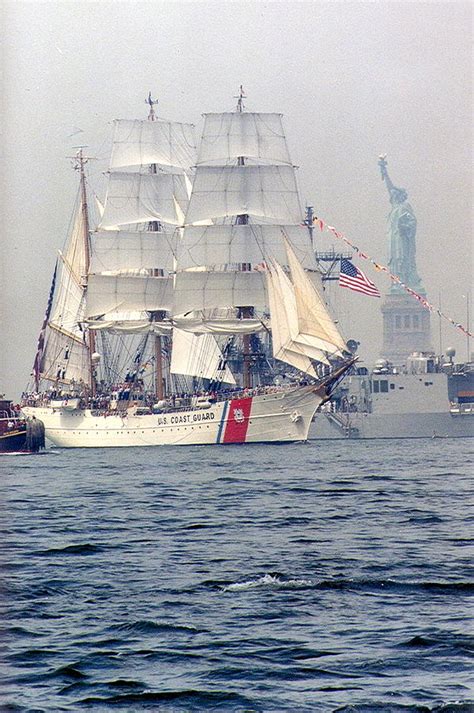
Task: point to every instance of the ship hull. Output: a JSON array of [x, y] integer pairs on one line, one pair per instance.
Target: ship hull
[[13, 442], [275, 417], [404, 425]]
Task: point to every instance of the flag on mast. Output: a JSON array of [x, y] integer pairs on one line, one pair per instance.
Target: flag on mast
[[351, 277], [42, 334]]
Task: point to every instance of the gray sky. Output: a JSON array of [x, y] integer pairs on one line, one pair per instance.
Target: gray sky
[[353, 80]]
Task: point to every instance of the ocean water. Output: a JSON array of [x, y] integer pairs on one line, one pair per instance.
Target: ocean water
[[310, 577]]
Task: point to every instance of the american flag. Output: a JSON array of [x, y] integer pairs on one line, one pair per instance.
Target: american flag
[[41, 338], [350, 276]]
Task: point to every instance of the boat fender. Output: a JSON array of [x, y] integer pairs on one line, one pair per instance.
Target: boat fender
[[35, 435]]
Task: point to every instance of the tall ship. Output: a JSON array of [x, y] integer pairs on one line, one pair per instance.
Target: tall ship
[[194, 312], [410, 392]]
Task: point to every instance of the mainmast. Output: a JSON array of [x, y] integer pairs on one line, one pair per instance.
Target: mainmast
[[158, 272], [244, 312], [80, 162]]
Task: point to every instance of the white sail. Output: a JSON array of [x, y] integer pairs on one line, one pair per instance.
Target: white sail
[[200, 290], [300, 342], [198, 356], [282, 316], [120, 250], [65, 359], [228, 136], [265, 192], [66, 355], [230, 244], [314, 319], [144, 197], [141, 143], [108, 294]]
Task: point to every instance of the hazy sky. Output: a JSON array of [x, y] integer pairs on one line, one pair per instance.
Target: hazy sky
[[353, 80]]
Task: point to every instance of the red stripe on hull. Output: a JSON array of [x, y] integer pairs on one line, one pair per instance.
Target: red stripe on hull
[[237, 421]]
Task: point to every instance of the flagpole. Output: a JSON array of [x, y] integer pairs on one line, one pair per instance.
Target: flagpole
[[468, 325], [440, 324]]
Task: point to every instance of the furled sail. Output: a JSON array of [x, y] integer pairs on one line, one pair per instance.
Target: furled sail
[[198, 356], [221, 321], [131, 322]]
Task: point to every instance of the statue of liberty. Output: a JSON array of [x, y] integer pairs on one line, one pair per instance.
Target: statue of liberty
[[402, 221]]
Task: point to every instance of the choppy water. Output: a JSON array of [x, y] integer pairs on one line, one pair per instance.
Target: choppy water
[[286, 578]]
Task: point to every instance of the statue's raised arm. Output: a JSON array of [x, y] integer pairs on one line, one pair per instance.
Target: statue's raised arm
[[402, 226], [384, 172]]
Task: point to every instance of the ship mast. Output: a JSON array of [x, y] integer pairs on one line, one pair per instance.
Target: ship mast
[[159, 315], [80, 162], [244, 312]]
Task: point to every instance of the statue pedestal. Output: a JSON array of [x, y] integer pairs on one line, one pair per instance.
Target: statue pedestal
[[406, 328]]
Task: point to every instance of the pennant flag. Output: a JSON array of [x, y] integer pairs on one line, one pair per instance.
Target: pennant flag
[[350, 276], [356, 280]]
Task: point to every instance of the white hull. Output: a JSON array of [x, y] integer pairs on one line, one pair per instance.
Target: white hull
[[266, 418]]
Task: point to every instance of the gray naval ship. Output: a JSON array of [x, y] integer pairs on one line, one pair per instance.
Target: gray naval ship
[[410, 392], [426, 398]]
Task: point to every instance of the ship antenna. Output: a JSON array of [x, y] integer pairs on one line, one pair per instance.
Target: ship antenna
[[152, 103], [240, 99]]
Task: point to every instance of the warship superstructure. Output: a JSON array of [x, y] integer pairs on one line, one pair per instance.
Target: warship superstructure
[[429, 397]]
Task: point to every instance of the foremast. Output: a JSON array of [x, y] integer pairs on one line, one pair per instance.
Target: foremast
[[130, 290], [64, 355], [79, 165]]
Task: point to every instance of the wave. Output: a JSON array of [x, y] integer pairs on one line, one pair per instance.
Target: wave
[[81, 549], [269, 581], [374, 706], [391, 585], [195, 700], [442, 639], [152, 627], [342, 584]]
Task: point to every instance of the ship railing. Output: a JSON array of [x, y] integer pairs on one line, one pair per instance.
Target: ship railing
[[457, 409], [8, 416], [188, 402]]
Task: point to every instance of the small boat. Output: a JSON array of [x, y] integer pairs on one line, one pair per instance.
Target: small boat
[[18, 434]]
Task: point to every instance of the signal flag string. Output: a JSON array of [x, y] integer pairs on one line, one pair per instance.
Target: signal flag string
[[394, 278]]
